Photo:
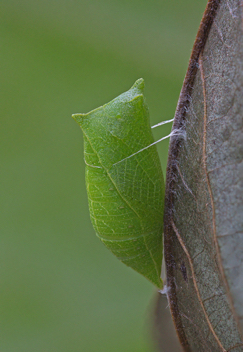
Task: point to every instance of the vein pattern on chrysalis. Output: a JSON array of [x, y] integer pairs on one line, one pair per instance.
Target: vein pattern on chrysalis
[[126, 194]]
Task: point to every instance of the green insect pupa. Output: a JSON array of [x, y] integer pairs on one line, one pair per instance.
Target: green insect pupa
[[126, 196]]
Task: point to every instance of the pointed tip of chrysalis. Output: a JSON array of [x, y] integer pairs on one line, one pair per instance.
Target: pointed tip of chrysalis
[[161, 284], [135, 90], [78, 118], [157, 281], [139, 85]]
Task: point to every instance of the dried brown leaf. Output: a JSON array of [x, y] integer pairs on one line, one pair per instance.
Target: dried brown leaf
[[204, 191]]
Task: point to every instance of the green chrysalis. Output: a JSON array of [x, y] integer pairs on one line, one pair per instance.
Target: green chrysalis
[[126, 196]]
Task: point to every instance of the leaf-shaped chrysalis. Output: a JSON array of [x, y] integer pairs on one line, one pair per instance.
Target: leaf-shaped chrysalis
[[126, 195]]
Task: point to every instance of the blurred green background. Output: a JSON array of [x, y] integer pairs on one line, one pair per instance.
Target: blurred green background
[[61, 290]]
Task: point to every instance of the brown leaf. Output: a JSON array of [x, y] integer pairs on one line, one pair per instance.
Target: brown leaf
[[204, 190]]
